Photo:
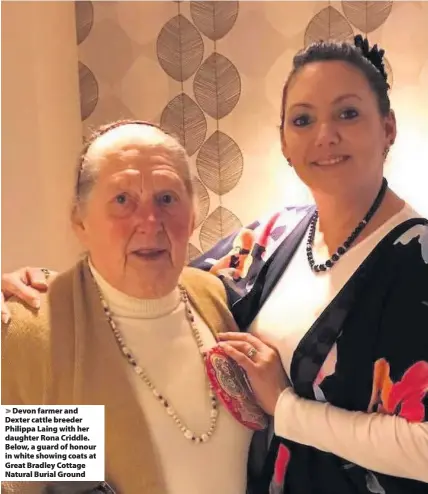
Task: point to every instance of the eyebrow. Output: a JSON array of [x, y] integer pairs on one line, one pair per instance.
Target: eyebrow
[[337, 100], [134, 180]]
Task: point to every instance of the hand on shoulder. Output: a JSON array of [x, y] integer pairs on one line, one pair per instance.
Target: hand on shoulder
[[26, 284]]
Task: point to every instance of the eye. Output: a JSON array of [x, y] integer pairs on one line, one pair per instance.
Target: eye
[[349, 114], [122, 205], [121, 198], [302, 121], [166, 199]]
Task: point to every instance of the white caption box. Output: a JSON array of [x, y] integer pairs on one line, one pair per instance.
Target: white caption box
[[55, 443]]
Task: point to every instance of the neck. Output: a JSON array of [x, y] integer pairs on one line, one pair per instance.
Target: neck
[[340, 214], [122, 304], [134, 283]]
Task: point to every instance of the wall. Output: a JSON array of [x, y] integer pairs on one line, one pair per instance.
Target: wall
[[41, 132], [212, 73]]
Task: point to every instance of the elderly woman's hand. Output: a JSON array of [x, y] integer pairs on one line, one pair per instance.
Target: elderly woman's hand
[[262, 364], [26, 285]]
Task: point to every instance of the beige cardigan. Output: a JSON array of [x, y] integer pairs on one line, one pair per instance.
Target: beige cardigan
[[66, 354]]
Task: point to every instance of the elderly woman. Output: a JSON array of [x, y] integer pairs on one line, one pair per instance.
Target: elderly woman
[[126, 327], [339, 290]]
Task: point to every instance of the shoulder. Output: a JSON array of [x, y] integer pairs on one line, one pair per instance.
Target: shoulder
[[29, 328], [412, 248], [402, 260], [25, 353], [208, 296], [278, 222], [416, 234], [24, 487], [403, 337], [26, 342], [406, 305], [268, 233], [203, 283], [26, 322], [228, 256]]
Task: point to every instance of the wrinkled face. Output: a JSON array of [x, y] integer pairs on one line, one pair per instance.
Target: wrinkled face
[[139, 215], [334, 134]]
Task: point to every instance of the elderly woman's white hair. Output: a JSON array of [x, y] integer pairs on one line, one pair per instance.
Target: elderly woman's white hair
[[152, 135]]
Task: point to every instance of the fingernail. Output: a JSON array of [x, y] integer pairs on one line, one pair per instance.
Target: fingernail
[[5, 318], [36, 304]]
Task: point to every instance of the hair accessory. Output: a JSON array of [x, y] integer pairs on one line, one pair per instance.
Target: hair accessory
[[374, 55]]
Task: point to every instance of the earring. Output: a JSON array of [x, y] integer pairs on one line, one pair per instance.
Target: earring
[[289, 162], [385, 153]]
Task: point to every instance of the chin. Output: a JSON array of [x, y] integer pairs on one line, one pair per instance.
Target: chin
[[332, 183]]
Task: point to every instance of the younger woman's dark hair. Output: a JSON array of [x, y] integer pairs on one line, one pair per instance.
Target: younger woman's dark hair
[[368, 60]]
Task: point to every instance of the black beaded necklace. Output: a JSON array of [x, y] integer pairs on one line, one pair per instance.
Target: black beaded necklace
[[349, 241]]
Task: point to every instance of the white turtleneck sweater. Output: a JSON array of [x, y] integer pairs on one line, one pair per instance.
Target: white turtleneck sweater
[[160, 337]]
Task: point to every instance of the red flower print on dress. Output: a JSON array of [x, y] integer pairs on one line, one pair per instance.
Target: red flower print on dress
[[403, 398], [281, 463]]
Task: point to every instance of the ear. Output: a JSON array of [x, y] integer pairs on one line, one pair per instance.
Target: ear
[[78, 225], [390, 128], [283, 143], [284, 149]]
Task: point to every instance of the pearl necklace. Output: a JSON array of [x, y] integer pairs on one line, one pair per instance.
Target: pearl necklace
[[142, 373], [349, 241]]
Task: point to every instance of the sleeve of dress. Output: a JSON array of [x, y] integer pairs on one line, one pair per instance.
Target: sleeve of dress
[[386, 444], [228, 259], [391, 437], [238, 259], [225, 253]]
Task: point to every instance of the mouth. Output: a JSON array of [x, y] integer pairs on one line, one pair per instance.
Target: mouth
[[150, 254], [332, 161]]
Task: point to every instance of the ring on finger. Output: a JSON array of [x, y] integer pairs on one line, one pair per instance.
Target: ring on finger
[[251, 353], [46, 272]]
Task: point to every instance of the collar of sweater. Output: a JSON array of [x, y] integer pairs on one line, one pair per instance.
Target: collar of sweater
[[123, 305]]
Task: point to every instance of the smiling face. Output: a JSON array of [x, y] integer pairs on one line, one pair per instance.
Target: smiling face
[[334, 134], [138, 218]]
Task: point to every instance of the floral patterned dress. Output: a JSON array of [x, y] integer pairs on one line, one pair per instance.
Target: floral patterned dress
[[377, 326]]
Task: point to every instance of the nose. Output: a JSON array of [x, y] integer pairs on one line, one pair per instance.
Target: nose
[[148, 217], [327, 134]]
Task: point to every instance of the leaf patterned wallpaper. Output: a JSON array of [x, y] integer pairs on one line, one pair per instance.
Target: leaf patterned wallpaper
[[211, 73]]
